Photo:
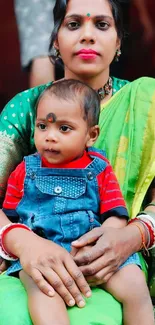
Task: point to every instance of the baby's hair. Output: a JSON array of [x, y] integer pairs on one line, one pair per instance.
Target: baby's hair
[[74, 90]]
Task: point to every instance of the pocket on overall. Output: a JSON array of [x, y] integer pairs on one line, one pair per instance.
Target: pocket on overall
[[66, 193]]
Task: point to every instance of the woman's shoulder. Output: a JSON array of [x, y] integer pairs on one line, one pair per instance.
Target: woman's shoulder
[[25, 101], [142, 83], [118, 84]]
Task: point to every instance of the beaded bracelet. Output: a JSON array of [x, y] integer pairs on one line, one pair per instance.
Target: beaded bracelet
[[3, 232], [148, 233], [143, 215]]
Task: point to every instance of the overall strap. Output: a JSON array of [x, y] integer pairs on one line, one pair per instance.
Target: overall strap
[[99, 162], [32, 162]]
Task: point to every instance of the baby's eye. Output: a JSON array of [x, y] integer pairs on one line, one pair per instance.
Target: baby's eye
[[73, 25], [65, 128], [41, 126]]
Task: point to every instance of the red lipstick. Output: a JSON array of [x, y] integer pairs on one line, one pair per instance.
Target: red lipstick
[[87, 54]]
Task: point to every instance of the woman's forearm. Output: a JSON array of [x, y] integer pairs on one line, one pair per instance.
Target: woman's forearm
[[133, 239], [16, 238]]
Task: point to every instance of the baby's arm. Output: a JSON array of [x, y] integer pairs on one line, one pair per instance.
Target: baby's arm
[[114, 222], [113, 212]]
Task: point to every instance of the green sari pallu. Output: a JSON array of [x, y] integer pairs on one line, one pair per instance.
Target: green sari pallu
[[127, 134], [127, 123]]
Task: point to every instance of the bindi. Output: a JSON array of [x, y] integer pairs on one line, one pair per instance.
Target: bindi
[[88, 16], [51, 117]]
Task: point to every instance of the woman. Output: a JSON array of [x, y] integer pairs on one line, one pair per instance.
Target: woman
[[87, 42]]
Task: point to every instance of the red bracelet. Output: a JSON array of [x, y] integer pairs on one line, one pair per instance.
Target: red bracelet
[[151, 232], [5, 231], [135, 222], [150, 229]]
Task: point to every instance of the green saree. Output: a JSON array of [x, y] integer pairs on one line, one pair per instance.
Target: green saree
[[128, 136], [127, 124]]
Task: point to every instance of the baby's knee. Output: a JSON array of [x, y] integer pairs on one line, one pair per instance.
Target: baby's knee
[[133, 284], [127, 283]]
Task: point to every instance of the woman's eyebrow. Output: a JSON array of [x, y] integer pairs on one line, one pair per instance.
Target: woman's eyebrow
[[96, 17]]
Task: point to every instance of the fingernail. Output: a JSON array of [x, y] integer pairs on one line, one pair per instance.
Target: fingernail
[[75, 242], [50, 293], [71, 303], [88, 294], [81, 303]]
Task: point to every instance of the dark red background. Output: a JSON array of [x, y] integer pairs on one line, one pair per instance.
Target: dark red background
[[12, 78]]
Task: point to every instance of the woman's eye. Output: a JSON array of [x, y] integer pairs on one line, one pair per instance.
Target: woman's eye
[[65, 128], [41, 126], [102, 25], [73, 25]]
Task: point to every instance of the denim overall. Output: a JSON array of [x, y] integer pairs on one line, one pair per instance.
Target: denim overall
[[60, 204]]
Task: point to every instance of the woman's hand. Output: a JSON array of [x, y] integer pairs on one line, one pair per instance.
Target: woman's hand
[[53, 268], [111, 248], [3, 265]]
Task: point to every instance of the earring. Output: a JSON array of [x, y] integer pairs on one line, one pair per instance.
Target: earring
[[118, 54], [57, 53]]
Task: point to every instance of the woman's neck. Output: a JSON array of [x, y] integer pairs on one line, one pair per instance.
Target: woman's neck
[[95, 82]]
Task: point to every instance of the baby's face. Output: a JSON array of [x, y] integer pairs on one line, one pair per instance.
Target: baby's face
[[61, 133]]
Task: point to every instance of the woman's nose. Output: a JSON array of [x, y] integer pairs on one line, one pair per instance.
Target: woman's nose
[[88, 33]]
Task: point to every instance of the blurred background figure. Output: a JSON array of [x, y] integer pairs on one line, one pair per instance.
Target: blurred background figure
[[140, 56], [35, 23], [146, 15]]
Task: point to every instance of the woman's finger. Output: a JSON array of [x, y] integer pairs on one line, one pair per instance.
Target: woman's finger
[[88, 238], [86, 257], [94, 267], [62, 282], [68, 289], [100, 278], [42, 284], [3, 266], [78, 277]]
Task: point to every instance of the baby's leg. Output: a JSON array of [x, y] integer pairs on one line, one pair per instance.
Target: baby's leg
[[44, 310], [128, 286]]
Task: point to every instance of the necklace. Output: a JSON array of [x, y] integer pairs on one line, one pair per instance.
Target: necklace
[[105, 90]]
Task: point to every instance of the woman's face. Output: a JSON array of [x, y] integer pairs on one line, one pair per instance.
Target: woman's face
[[87, 39]]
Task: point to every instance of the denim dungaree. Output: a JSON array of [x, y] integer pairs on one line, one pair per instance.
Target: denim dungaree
[[60, 204]]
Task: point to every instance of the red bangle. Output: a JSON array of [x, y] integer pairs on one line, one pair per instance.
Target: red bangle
[[151, 232], [135, 222], [5, 232]]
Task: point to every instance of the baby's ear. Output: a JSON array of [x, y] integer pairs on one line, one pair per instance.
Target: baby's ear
[[93, 134]]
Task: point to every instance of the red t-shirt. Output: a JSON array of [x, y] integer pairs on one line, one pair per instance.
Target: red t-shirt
[[111, 199]]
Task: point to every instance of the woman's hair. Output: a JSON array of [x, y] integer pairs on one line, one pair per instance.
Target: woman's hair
[[60, 12], [76, 91]]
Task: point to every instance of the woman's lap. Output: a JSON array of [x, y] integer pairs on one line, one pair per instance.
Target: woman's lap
[[101, 308]]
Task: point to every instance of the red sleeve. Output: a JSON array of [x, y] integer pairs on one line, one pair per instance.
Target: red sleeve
[[111, 199], [14, 192]]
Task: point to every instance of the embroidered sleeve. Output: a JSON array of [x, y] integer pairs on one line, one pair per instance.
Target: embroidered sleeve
[[111, 199], [16, 132]]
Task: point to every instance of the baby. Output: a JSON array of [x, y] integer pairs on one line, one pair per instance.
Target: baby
[[66, 189]]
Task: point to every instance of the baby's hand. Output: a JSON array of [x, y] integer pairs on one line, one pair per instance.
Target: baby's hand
[[3, 265]]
